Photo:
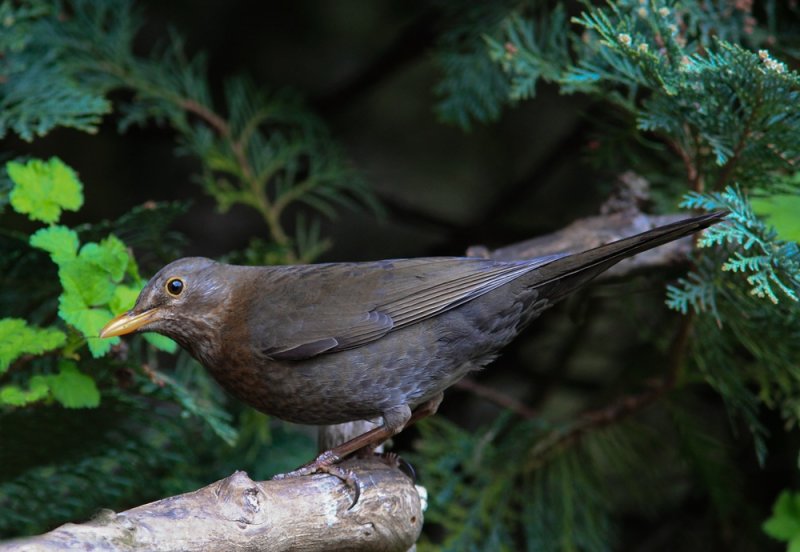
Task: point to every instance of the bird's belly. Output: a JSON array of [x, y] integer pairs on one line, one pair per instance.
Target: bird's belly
[[339, 387]]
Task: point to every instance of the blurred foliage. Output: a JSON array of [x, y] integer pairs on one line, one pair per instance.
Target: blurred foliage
[[263, 150], [784, 524], [698, 96]]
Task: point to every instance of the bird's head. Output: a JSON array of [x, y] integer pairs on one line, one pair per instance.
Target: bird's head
[[181, 301]]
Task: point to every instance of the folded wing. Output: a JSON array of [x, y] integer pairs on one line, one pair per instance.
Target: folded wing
[[347, 305]]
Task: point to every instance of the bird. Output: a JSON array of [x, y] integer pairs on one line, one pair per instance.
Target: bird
[[336, 342]]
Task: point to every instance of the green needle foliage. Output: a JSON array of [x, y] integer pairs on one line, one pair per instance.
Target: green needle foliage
[[707, 92], [263, 150]]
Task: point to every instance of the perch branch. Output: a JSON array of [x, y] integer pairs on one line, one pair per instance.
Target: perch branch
[[595, 231], [236, 513]]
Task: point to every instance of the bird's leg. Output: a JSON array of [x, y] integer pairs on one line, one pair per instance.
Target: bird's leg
[[428, 408], [394, 421]]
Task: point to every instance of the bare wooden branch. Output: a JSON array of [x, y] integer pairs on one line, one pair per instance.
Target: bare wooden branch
[[236, 513], [598, 230]]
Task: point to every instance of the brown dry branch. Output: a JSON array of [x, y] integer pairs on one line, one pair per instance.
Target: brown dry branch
[[598, 230], [236, 513]]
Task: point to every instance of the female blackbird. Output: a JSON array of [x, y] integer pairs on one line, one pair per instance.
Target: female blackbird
[[330, 343]]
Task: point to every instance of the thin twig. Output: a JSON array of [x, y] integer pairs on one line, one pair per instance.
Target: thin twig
[[209, 116], [269, 212], [497, 397], [626, 406]]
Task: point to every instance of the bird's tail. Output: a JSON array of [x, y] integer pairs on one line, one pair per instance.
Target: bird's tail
[[564, 275]]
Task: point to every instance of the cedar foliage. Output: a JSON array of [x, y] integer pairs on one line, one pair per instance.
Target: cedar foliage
[[704, 97]]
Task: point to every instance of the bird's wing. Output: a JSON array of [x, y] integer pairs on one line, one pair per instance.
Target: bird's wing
[[347, 305]]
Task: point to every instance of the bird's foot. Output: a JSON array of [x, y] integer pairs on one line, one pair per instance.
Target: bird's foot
[[326, 463]]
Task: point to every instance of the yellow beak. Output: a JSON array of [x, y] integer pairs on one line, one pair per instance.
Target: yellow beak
[[128, 322]]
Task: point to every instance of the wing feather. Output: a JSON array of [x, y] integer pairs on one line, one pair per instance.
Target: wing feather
[[393, 295]]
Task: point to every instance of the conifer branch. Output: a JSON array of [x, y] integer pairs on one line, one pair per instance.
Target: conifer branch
[[730, 165], [259, 200], [213, 119]]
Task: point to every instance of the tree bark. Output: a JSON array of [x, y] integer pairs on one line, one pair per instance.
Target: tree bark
[[590, 232], [236, 513]]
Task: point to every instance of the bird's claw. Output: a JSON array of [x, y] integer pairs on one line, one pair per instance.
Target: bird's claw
[[348, 477], [326, 463], [394, 460]]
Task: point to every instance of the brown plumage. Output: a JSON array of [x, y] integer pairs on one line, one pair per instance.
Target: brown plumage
[[329, 343]]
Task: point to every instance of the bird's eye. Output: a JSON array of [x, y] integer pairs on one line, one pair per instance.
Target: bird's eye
[[174, 286]]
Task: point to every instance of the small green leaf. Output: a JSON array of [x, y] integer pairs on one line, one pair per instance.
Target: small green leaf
[[86, 280], [161, 342], [785, 521], [72, 388], [13, 395], [110, 255], [124, 298], [89, 321], [17, 338], [782, 528], [42, 189], [61, 242]]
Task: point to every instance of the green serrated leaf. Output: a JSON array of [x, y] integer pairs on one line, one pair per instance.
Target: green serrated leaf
[[42, 189], [785, 521], [123, 299], [110, 254], [72, 388], [13, 395], [89, 321], [17, 338], [161, 342], [61, 242], [86, 280]]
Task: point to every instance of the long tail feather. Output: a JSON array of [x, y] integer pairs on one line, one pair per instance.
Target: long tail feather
[[567, 273]]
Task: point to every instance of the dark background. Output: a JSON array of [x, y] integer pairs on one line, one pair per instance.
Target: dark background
[[368, 70]]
